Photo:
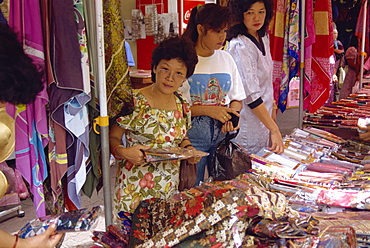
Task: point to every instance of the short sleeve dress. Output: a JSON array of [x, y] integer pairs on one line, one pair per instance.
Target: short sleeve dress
[[156, 128]]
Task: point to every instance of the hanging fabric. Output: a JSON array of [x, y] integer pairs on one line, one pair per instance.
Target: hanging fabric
[[277, 44], [4, 11], [290, 51], [321, 74], [309, 40], [119, 91], [31, 123], [360, 27], [67, 93]]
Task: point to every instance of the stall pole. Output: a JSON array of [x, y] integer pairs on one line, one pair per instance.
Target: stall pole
[[103, 119], [301, 64], [363, 54]]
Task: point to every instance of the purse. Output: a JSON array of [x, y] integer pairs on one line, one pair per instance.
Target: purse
[[229, 160], [188, 175], [188, 172]]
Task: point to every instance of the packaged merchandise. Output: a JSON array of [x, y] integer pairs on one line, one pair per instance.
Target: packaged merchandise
[[72, 221]]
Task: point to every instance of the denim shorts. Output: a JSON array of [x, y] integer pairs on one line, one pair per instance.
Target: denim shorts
[[205, 134]]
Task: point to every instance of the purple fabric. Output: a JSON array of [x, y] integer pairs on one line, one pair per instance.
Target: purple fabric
[[30, 121]]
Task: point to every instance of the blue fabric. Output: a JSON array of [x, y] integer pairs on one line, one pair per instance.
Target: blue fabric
[[205, 134], [130, 58]]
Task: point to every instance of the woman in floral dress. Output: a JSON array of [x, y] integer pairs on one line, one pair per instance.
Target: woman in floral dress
[[161, 118]]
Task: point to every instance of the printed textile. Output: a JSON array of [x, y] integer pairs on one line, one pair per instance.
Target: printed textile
[[277, 43], [30, 120], [155, 128], [119, 91], [290, 52], [221, 215], [321, 70], [228, 214]]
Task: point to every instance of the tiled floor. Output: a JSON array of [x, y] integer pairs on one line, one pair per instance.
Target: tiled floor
[[287, 121]]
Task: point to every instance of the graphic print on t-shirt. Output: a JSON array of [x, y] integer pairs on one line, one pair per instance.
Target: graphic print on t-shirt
[[209, 89]]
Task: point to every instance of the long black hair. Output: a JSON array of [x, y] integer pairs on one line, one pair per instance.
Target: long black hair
[[20, 78], [211, 16], [238, 7]]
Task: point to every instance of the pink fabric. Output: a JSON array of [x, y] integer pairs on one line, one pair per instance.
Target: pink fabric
[[367, 64], [30, 121]]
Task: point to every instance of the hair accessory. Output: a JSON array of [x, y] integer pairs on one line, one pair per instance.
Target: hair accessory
[[199, 5]]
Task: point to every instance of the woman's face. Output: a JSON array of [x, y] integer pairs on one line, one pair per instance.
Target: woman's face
[[211, 39], [335, 34], [254, 18], [169, 74]]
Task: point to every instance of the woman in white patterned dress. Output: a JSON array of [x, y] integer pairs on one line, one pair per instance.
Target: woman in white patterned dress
[[161, 118]]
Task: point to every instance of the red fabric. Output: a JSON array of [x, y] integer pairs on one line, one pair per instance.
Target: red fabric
[[277, 44], [322, 49]]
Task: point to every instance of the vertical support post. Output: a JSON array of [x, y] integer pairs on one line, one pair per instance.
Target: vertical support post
[[363, 54], [301, 64], [103, 119]]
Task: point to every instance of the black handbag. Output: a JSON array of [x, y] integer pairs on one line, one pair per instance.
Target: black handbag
[[229, 160]]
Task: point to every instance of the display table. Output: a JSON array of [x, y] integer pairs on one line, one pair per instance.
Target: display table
[[140, 78]]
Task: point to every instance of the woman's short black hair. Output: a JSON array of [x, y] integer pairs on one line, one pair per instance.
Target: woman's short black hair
[[238, 7], [211, 16], [20, 79], [180, 48]]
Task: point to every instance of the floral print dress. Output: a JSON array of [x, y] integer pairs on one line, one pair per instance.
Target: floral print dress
[[156, 128]]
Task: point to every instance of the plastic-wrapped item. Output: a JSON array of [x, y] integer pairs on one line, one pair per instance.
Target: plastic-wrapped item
[[108, 240], [171, 153], [137, 24], [73, 221], [151, 19], [338, 237], [119, 234]]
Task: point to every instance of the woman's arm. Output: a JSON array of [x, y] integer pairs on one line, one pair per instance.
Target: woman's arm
[[133, 154], [48, 239], [215, 112], [261, 112]]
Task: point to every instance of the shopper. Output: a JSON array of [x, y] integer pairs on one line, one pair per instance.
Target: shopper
[[20, 82], [216, 90], [249, 46], [352, 60], [160, 119]]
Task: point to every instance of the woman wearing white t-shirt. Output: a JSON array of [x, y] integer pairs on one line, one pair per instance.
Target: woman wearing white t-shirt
[[216, 90]]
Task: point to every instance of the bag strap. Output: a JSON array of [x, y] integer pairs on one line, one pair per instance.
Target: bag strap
[[230, 136], [182, 102]]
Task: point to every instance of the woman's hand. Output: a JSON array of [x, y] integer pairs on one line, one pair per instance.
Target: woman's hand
[[48, 239], [228, 127], [133, 154], [194, 160], [215, 112], [277, 144], [364, 136]]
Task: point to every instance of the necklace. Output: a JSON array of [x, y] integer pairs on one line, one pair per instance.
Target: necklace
[[160, 104]]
